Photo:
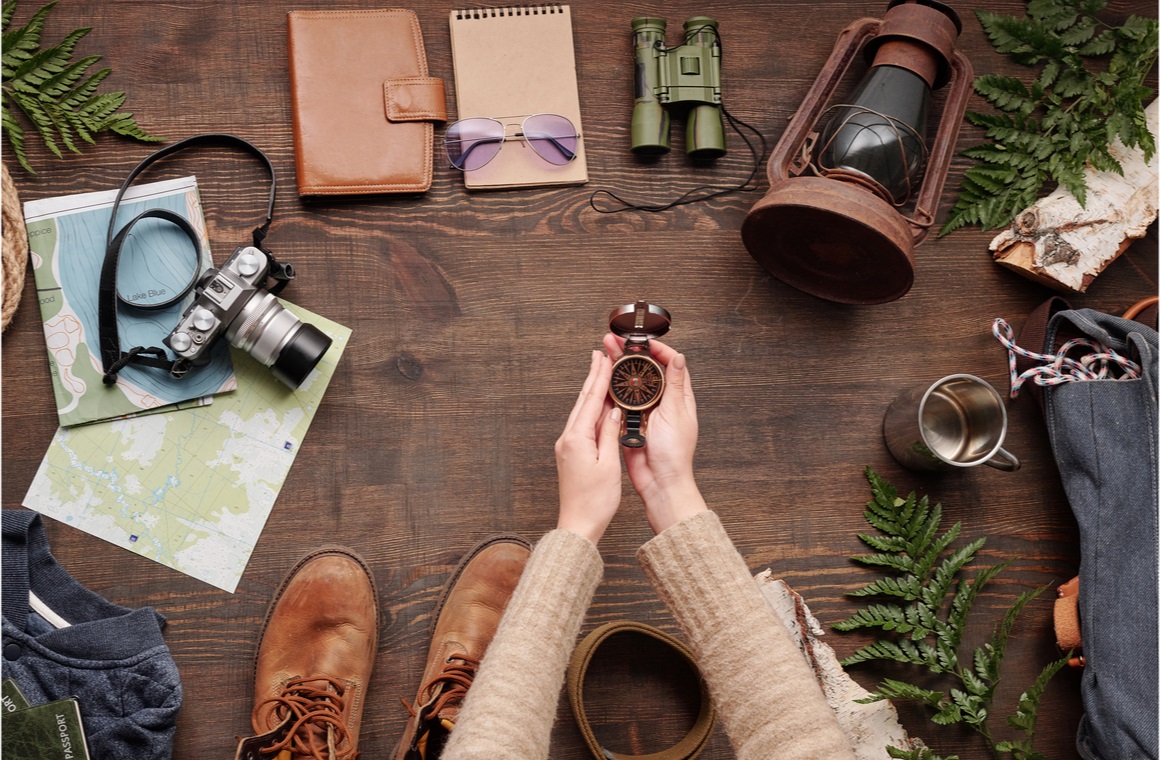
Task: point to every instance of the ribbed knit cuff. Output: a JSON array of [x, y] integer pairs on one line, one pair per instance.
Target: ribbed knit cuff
[[557, 585], [511, 706], [676, 560]]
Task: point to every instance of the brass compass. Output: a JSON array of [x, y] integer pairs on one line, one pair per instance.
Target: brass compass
[[638, 380]]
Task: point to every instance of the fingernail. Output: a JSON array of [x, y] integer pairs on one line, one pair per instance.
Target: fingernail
[[615, 414], [679, 362]]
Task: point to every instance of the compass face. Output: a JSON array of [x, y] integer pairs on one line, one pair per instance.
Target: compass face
[[637, 382]]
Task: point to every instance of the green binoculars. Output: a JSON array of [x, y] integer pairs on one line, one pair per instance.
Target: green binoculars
[[688, 76]]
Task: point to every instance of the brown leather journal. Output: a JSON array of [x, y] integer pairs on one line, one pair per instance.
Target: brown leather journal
[[363, 105]]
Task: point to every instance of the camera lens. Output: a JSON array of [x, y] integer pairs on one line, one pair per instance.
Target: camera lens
[[300, 355], [288, 346]]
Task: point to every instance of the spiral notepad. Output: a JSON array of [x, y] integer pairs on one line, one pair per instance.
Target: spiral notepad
[[517, 61]]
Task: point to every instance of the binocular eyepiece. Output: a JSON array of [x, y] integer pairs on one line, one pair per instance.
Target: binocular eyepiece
[[688, 76]]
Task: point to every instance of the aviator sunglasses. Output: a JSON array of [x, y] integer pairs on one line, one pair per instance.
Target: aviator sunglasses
[[472, 143]]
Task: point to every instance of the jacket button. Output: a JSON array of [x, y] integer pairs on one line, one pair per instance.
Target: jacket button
[[12, 651]]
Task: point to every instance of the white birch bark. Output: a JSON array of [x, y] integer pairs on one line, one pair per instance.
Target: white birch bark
[[870, 727], [1063, 245]]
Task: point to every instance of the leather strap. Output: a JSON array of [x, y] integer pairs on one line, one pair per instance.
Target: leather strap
[[687, 748], [113, 359], [415, 99]]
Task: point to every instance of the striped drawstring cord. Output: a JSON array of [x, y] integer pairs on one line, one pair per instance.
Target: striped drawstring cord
[[1099, 363]]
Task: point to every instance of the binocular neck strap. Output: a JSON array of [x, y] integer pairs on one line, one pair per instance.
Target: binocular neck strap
[[113, 359]]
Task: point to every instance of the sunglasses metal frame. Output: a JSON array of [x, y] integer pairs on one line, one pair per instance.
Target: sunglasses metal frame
[[519, 136]]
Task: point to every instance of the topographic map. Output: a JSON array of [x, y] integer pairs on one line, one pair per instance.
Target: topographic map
[[67, 244], [192, 488]]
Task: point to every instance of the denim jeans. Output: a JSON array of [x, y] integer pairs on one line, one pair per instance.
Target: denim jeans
[[1104, 435]]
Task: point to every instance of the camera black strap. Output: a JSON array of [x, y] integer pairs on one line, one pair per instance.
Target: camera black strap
[[113, 359]]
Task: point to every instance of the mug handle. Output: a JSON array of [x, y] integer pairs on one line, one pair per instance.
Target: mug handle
[[1003, 460]]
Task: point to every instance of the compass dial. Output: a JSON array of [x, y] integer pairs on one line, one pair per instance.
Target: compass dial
[[637, 382]]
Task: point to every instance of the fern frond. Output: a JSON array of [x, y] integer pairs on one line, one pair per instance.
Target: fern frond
[[892, 689], [42, 85], [922, 753], [927, 630], [1089, 91], [964, 599]]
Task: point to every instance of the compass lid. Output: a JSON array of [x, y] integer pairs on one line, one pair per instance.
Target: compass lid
[[643, 319]]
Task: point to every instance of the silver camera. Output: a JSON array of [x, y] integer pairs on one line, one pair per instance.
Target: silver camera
[[234, 301]]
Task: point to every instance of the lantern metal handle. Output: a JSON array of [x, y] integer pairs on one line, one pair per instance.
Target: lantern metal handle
[[847, 48]]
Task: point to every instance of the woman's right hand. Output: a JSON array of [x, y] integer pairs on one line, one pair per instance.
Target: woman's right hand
[[662, 471], [587, 460]]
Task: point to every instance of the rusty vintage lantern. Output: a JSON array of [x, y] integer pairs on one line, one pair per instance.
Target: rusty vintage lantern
[[853, 186]]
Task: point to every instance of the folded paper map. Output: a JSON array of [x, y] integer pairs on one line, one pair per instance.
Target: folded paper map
[[191, 489], [66, 239]]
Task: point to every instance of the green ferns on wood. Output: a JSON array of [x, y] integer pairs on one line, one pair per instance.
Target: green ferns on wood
[[54, 93], [1089, 91], [925, 631]]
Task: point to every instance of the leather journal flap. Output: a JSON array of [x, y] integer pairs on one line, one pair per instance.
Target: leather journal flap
[[415, 99]]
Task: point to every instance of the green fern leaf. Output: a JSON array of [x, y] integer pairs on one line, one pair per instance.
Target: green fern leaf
[[884, 543], [1078, 34], [23, 42], [922, 753], [905, 588], [948, 714], [15, 135], [892, 689], [62, 83], [1005, 93], [40, 85], [45, 64], [927, 632], [1101, 44], [964, 599], [888, 617], [1090, 90], [1027, 713]]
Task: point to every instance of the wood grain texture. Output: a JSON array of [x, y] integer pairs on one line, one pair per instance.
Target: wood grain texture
[[473, 316]]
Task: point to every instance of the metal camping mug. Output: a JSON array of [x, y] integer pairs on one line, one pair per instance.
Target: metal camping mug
[[958, 421]]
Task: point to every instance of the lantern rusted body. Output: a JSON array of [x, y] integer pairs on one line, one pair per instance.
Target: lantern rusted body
[[838, 237]]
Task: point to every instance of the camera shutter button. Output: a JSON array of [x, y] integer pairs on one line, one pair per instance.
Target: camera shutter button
[[248, 263], [203, 319]]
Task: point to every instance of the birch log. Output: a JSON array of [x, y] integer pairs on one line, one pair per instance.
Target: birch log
[[1063, 245], [871, 727]]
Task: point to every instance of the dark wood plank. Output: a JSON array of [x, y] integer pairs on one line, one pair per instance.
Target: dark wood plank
[[473, 316]]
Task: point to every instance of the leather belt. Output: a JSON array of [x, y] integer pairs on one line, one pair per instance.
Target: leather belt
[[687, 748]]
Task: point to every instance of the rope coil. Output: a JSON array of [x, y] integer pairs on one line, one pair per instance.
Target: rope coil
[[1098, 363]]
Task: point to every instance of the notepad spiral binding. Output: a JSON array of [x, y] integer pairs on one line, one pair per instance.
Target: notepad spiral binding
[[508, 10]]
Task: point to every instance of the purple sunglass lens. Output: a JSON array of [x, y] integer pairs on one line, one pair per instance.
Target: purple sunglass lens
[[471, 143], [553, 137]]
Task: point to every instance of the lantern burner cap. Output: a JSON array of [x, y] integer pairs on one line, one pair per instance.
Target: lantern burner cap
[[928, 23]]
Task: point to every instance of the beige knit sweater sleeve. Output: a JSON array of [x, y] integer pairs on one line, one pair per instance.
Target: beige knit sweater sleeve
[[767, 698], [510, 707]]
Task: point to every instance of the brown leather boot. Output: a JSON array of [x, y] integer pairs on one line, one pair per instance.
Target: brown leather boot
[[466, 619], [315, 655]]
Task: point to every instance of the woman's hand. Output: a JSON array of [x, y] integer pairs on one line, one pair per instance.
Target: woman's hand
[[588, 457], [662, 471]]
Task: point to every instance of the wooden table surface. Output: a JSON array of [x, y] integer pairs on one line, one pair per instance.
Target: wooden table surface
[[473, 318]]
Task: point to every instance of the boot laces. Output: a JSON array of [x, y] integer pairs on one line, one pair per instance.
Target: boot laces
[[447, 687], [312, 708]]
